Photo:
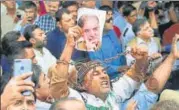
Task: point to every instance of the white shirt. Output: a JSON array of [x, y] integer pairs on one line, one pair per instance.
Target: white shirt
[[127, 35], [152, 48], [45, 60]]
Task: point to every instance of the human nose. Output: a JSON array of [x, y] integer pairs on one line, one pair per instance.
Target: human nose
[[24, 107], [104, 76], [92, 34]]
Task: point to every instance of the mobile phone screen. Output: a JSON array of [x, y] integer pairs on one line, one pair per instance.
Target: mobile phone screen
[[22, 66]]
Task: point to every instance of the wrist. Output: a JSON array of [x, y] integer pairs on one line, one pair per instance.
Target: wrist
[[134, 73], [171, 58]]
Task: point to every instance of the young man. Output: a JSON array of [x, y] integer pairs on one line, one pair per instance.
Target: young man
[[56, 39], [37, 37], [144, 37], [110, 46], [9, 38], [92, 79], [72, 7], [30, 16], [42, 89], [130, 14], [47, 22]]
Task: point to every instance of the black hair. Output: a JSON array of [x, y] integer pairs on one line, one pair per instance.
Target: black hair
[[28, 31], [105, 8], [29, 4], [60, 13], [8, 38], [16, 49], [128, 9], [66, 4], [137, 24]]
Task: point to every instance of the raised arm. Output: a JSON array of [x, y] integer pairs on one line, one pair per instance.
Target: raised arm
[[160, 76], [126, 85], [59, 72]]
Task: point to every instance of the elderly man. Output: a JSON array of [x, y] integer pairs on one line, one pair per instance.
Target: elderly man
[[91, 32]]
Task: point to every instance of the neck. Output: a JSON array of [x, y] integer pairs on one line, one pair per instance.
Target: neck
[[145, 39], [103, 96], [40, 50], [105, 31]]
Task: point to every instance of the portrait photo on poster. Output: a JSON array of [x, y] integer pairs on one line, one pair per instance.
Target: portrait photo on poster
[[91, 22]]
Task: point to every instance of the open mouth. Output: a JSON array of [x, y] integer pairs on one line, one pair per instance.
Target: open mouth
[[105, 84]]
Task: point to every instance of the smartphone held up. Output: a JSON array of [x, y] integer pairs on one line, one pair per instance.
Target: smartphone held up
[[22, 66]]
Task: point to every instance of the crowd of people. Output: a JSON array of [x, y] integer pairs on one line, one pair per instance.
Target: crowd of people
[[131, 69]]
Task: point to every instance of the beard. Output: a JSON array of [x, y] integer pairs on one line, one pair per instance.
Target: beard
[[40, 44]]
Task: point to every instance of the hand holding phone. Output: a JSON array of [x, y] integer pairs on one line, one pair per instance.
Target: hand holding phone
[[22, 66]]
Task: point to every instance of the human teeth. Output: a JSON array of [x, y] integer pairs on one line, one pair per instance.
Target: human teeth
[[104, 83]]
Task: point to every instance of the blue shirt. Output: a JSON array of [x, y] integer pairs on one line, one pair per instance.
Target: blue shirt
[[46, 23], [56, 42], [110, 47], [145, 99]]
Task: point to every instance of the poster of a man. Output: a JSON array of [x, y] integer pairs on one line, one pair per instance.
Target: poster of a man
[[92, 22]]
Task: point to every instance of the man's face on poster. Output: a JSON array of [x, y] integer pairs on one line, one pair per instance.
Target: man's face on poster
[[91, 32]]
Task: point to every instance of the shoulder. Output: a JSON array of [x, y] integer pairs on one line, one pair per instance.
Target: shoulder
[[132, 42], [156, 39]]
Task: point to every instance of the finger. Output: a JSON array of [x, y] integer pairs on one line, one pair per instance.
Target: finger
[[25, 88], [76, 31], [23, 82], [79, 29], [133, 51], [23, 76]]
